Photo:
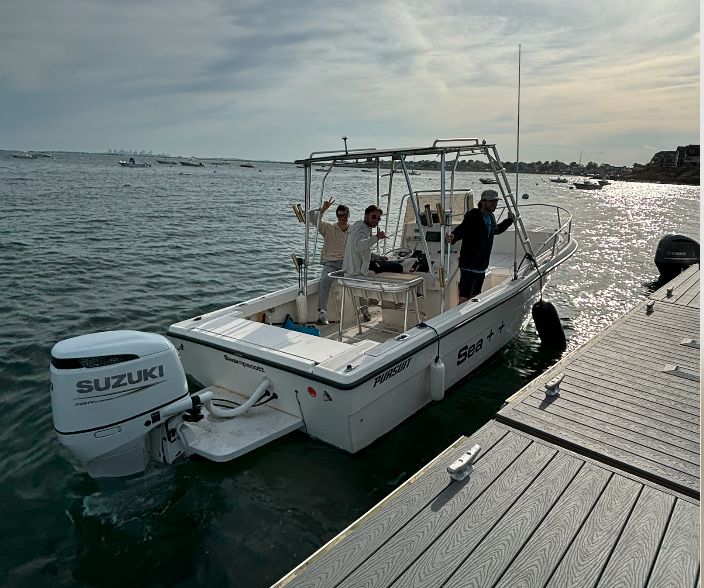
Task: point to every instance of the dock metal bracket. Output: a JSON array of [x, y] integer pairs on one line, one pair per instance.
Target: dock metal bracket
[[681, 372], [552, 388], [691, 343], [462, 467]]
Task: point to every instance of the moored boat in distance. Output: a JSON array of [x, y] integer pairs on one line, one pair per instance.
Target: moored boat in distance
[[346, 383], [248, 164], [587, 185], [23, 156], [132, 163], [167, 161], [488, 181], [559, 180], [192, 162]]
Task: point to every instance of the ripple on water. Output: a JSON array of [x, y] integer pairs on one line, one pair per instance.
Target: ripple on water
[[81, 253]]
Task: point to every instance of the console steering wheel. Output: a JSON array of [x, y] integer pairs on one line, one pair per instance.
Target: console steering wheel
[[399, 253]]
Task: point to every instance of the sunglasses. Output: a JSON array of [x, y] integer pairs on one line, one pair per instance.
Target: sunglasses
[[375, 216], [342, 215]]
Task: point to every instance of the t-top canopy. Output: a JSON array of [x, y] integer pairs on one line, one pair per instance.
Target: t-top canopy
[[465, 146]]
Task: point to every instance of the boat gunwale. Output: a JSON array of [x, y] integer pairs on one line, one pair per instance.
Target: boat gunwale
[[567, 253]]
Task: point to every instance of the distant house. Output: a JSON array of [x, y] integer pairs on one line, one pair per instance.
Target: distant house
[[687, 156], [665, 158]]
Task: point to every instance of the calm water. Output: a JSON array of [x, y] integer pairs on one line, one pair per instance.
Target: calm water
[[86, 245]]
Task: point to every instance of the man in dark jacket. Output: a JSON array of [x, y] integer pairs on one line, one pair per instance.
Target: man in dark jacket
[[477, 232]]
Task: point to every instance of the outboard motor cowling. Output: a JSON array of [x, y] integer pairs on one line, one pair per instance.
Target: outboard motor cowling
[[674, 254], [108, 391]]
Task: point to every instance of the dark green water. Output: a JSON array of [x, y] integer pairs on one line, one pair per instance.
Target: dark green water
[[81, 251]]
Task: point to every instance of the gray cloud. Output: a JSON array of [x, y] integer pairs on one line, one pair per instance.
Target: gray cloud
[[274, 79]]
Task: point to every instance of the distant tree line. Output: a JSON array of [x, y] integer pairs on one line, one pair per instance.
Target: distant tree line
[[537, 167]]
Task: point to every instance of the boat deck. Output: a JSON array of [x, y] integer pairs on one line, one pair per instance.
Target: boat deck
[[596, 486]]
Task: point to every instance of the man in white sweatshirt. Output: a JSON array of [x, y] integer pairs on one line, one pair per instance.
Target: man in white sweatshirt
[[359, 259]]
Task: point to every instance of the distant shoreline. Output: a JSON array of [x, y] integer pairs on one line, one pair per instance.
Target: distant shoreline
[[654, 174], [649, 173]]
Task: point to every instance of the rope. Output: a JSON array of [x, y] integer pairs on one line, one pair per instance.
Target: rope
[[426, 325]]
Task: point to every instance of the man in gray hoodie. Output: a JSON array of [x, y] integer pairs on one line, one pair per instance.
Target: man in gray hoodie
[[359, 259]]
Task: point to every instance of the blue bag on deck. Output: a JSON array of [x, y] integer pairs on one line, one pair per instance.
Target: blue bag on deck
[[291, 326]]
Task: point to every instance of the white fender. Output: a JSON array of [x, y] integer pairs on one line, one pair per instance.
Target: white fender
[[302, 308], [436, 380]]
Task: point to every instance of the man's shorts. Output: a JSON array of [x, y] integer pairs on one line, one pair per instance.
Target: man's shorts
[[470, 284]]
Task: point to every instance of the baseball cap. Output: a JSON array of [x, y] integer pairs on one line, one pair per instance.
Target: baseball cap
[[490, 195]]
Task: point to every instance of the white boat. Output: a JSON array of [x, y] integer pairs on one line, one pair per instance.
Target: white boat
[[347, 385], [488, 181], [23, 156], [559, 180], [248, 164], [167, 161], [192, 163], [132, 163], [587, 185]]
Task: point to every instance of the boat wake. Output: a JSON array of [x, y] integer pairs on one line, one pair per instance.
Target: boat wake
[[120, 501]]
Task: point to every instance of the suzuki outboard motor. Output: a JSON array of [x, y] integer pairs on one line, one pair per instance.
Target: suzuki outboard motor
[[111, 396], [674, 254]]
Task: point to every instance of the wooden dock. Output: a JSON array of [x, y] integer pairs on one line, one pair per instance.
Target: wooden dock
[[630, 396], [597, 485]]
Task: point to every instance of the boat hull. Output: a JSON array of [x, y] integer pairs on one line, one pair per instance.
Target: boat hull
[[351, 415]]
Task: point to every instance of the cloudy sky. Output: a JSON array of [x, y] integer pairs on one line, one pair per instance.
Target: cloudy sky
[[616, 80]]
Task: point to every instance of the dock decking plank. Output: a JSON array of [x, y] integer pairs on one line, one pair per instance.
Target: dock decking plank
[[546, 547], [632, 341], [660, 440], [608, 438], [640, 369], [530, 514], [679, 554], [351, 549], [686, 410], [633, 557], [626, 455], [382, 568], [588, 553], [507, 538], [687, 280], [695, 301], [673, 413], [442, 558], [640, 411], [685, 392], [663, 316]]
